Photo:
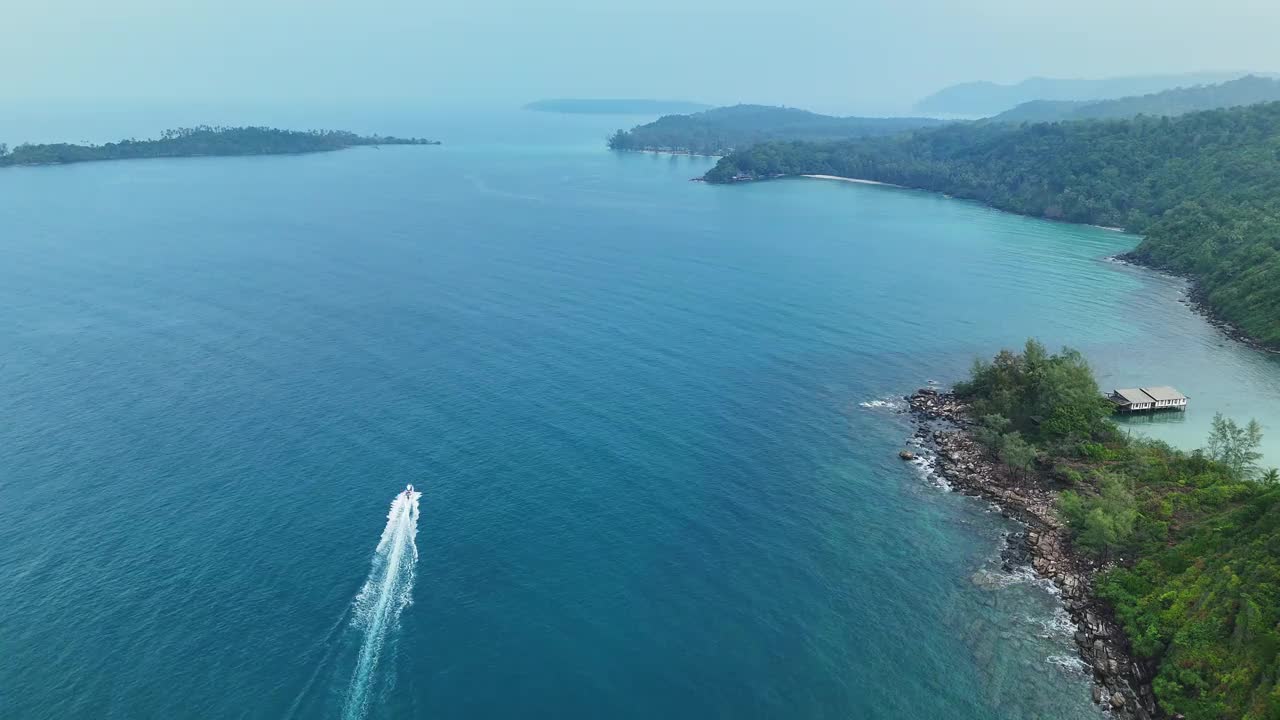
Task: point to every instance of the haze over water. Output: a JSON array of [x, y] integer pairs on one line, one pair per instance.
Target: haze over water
[[652, 422]]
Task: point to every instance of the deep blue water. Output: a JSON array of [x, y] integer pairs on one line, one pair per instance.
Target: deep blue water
[[641, 412]]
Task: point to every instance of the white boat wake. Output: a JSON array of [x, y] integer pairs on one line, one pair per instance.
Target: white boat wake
[[387, 591]]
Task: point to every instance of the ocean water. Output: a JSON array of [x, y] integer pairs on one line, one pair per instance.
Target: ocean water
[[653, 425]]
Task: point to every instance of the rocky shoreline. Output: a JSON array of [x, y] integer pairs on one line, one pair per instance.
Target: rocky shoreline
[[1121, 684], [1196, 299]]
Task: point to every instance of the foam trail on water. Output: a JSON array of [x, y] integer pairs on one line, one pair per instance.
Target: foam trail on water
[[386, 592]]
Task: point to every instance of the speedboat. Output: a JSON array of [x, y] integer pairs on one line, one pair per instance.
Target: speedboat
[[408, 491]]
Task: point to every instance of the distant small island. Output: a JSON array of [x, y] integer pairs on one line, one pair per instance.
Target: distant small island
[[615, 106], [203, 140]]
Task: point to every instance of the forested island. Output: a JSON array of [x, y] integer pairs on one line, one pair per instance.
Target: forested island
[[1168, 560], [200, 141], [1249, 90], [721, 130], [1204, 188], [615, 106]]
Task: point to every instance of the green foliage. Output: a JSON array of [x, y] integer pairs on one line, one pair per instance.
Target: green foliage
[[202, 140], [1042, 395], [1069, 475], [1235, 447], [1017, 453], [1102, 523], [991, 433], [1204, 188], [1196, 544], [1208, 608], [720, 130], [1096, 451]]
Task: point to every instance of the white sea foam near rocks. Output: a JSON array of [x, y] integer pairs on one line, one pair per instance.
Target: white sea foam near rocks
[[884, 403], [1072, 663], [1058, 625], [994, 577], [1040, 618], [926, 464]]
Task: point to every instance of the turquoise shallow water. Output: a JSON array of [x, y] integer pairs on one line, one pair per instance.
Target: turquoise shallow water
[[641, 411]]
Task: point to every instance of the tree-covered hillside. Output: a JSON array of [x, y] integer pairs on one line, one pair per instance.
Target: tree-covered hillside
[[720, 130], [1248, 90], [1204, 187], [203, 140], [1193, 538]]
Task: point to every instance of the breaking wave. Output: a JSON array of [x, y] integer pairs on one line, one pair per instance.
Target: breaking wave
[[993, 577], [1072, 663], [884, 403], [1057, 625]]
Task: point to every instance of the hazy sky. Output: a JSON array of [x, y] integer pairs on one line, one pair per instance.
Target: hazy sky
[[826, 54]]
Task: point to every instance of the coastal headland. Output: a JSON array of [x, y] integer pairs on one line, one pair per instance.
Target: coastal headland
[[1163, 557], [1196, 187], [944, 428]]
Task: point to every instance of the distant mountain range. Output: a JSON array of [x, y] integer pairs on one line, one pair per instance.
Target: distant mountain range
[[615, 106], [721, 130], [1247, 90], [983, 99]]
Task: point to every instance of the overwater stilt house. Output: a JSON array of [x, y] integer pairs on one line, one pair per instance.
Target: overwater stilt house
[[1147, 399]]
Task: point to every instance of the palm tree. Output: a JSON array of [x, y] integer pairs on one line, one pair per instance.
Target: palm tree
[[1271, 477]]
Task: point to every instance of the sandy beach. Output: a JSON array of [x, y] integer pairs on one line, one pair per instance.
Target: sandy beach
[[852, 180]]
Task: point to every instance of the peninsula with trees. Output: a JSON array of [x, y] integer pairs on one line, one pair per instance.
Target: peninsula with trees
[[722, 130], [1168, 560], [200, 141]]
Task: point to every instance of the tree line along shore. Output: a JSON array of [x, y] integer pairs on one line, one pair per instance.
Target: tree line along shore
[[720, 130], [199, 141], [1192, 168], [1202, 188], [1168, 560]]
